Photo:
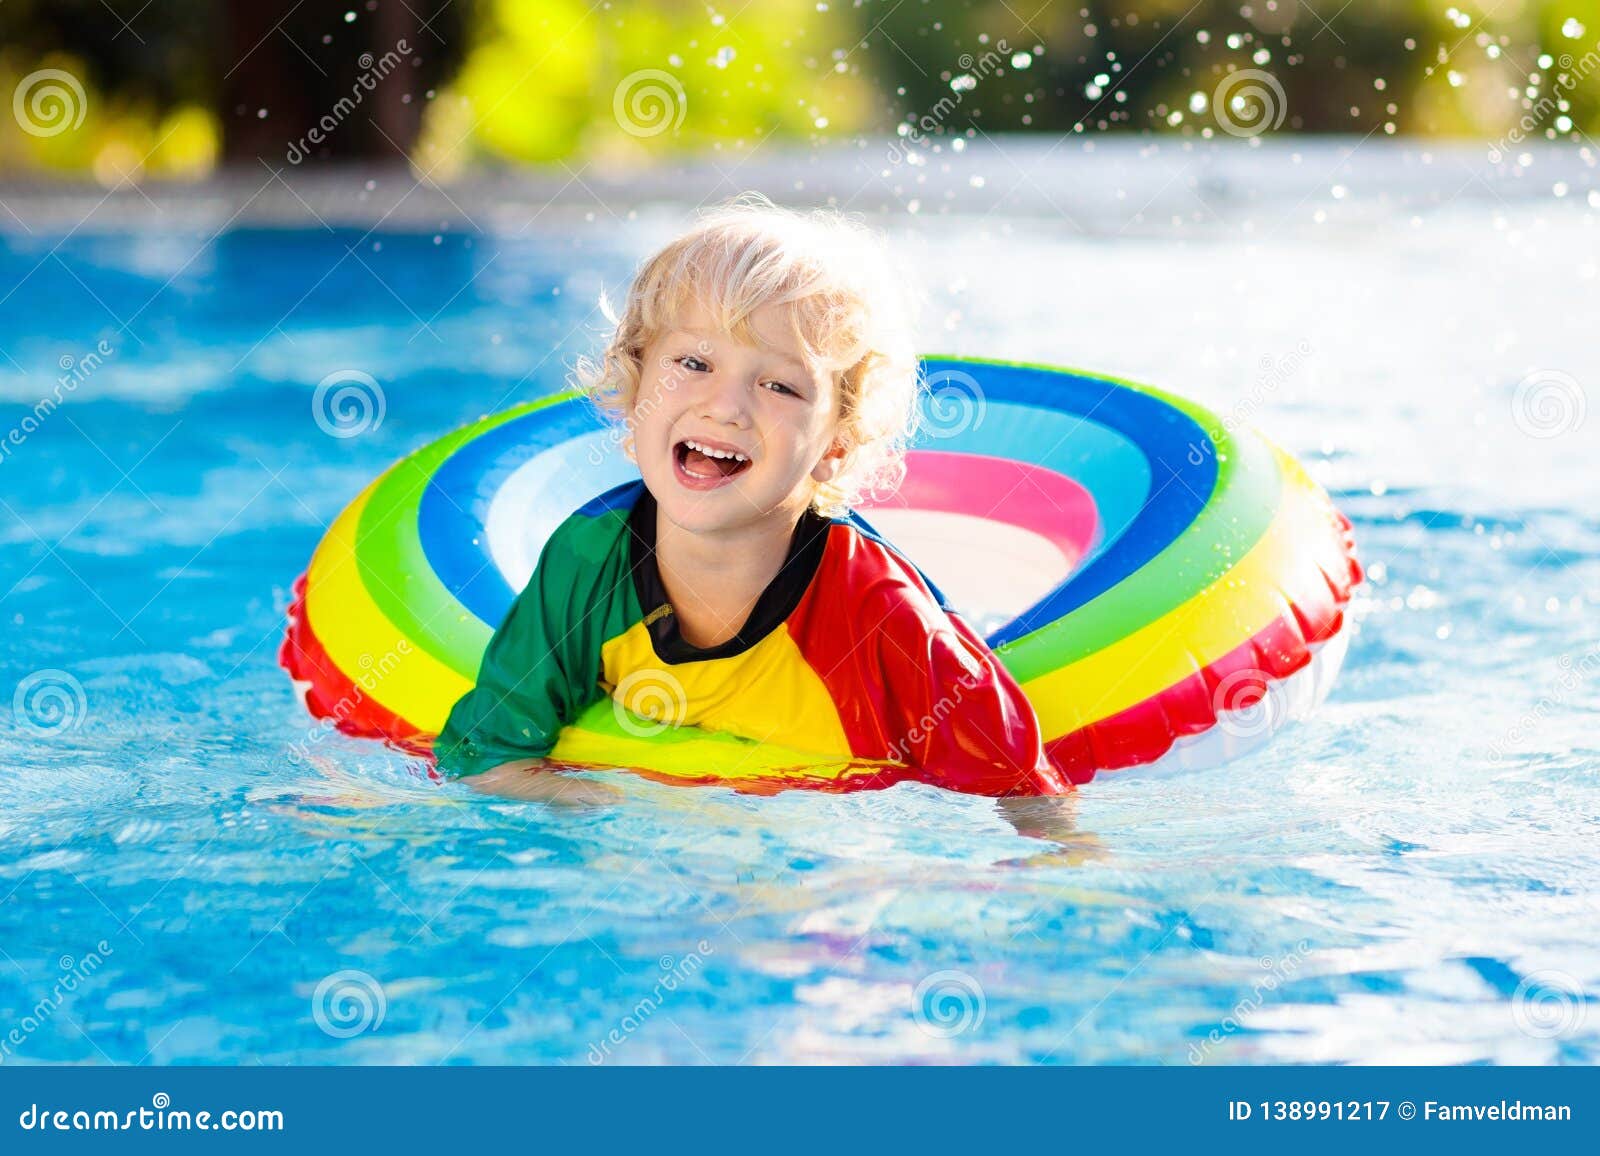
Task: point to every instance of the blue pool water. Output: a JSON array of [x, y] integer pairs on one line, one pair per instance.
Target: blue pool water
[[1409, 877]]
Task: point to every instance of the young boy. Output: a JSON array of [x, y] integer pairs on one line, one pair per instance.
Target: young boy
[[765, 380]]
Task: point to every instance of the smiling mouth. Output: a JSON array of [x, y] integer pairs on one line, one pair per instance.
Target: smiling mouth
[[707, 466]]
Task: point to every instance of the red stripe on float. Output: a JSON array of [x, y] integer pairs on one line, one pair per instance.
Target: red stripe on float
[[1145, 732], [332, 694]]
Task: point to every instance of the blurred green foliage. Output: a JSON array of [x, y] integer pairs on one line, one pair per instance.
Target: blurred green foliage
[[555, 79], [168, 88]]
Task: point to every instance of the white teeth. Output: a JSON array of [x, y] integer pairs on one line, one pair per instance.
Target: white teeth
[[714, 453]]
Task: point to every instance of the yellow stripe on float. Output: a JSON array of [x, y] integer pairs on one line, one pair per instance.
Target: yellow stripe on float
[[1233, 609], [403, 679]]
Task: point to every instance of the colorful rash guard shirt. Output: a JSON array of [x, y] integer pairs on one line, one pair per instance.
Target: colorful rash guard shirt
[[849, 652]]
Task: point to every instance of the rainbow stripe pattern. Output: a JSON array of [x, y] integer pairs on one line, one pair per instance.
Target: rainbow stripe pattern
[[1168, 591]]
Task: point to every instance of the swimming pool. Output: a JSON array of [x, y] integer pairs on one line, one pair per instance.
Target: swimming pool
[[192, 871]]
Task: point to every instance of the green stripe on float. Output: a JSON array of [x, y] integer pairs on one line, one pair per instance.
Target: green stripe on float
[[1248, 491], [395, 569]]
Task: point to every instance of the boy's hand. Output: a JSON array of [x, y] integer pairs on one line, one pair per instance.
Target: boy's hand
[[1053, 819], [534, 780]]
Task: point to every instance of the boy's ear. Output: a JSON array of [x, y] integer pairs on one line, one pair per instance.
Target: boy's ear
[[832, 462]]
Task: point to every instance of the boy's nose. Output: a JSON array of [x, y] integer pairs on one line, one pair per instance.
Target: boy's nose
[[723, 399]]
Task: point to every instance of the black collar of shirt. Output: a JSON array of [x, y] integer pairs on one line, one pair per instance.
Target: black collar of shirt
[[776, 603]]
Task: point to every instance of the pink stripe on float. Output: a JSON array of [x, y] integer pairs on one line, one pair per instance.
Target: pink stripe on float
[[1017, 493]]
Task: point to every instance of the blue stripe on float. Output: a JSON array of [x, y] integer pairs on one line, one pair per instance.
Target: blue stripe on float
[[1178, 476], [455, 505], [535, 500], [1150, 468]]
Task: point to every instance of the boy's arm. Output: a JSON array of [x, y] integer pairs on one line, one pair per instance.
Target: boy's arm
[[532, 681], [533, 780], [961, 719]]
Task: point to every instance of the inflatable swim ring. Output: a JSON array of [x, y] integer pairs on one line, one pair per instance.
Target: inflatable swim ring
[[1167, 591]]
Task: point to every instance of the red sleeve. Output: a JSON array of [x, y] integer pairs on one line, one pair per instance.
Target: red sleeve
[[953, 711]]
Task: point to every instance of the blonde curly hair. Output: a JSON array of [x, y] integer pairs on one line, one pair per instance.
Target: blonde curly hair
[[848, 313]]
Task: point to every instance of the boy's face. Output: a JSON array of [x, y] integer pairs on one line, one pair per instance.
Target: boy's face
[[699, 387]]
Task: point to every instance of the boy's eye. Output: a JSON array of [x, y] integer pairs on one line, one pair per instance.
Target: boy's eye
[[777, 385], [692, 363]]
